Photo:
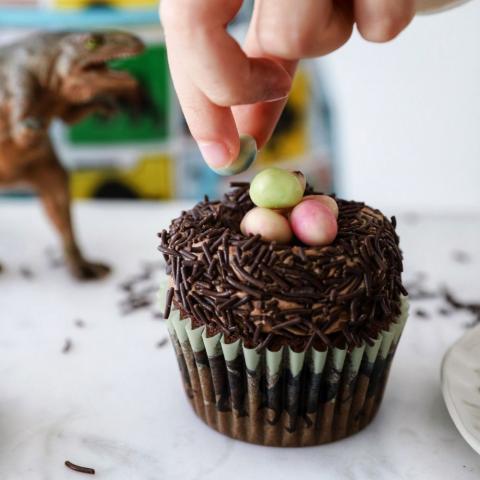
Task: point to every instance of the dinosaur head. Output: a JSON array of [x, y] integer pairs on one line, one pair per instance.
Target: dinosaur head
[[81, 68]]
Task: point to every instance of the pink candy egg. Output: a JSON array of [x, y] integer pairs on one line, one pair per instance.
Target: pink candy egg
[[313, 223], [268, 224], [325, 200]]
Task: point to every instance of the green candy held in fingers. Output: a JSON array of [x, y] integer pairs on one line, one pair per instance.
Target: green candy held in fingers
[[246, 156], [277, 188]]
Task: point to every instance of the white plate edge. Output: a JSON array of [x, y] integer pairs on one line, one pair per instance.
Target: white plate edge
[[447, 397]]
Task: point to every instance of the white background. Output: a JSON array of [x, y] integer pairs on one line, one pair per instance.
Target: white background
[[408, 114]]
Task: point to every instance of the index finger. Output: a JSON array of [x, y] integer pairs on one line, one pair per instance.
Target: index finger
[[211, 72], [196, 35]]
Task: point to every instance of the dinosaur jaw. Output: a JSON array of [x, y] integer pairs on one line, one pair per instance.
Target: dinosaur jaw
[[96, 81]]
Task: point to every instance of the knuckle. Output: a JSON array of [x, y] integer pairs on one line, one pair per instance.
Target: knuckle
[[225, 96], [168, 12], [292, 45], [228, 90], [177, 14], [343, 36]]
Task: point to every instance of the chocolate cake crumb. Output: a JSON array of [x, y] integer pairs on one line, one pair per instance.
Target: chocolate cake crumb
[[444, 311], [78, 468], [162, 342], [79, 323]]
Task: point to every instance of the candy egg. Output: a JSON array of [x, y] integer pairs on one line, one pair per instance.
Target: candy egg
[[268, 224], [277, 188], [326, 200], [246, 156], [313, 223], [301, 178]]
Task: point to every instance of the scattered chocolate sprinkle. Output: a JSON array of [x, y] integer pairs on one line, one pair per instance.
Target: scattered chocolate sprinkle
[[26, 272], [417, 289], [454, 302], [460, 256], [421, 313], [420, 291], [67, 346], [54, 258], [162, 342], [411, 218], [273, 294], [79, 323], [140, 290], [80, 469]]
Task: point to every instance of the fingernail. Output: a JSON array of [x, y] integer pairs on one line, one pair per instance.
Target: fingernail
[[275, 98], [246, 156], [215, 154]]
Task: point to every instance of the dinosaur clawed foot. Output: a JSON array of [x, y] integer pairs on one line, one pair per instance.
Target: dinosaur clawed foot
[[85, 270]]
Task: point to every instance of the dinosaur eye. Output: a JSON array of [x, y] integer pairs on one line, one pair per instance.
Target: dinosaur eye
[[94, 42]]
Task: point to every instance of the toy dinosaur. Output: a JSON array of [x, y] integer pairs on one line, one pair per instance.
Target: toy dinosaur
[[56, 75]]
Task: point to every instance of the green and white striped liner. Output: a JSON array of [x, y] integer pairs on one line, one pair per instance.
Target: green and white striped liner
[[216, 345]]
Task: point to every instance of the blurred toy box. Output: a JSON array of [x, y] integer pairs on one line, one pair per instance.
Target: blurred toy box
[[145, 151]]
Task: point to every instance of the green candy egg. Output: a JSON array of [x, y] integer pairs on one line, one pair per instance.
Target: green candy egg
[[277, 188]]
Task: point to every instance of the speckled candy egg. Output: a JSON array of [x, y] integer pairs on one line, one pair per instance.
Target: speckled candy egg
[[326, 200], [313, 223], [270, 225], [277, 188]]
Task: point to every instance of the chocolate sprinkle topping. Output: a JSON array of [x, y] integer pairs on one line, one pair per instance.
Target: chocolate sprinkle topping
[[270, 294]]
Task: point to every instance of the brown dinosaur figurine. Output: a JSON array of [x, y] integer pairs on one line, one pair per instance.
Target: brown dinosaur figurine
[[56, 75]]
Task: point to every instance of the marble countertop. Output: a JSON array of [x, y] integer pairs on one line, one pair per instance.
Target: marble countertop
[[114, 400]]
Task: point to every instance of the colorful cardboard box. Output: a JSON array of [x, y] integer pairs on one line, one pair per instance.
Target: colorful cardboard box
[[145, 150]]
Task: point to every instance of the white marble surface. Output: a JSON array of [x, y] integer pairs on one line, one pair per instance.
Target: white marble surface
[[115, 401]]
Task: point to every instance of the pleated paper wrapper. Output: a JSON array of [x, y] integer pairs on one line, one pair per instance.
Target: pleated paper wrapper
[[283, 398]]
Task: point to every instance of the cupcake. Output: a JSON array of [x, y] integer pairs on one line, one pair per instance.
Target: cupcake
[[283, 344]]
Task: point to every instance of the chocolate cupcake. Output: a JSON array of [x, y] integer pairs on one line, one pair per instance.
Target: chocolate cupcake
[[283, 345]]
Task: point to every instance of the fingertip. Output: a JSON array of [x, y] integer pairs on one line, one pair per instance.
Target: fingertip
[[381, 21], [242, 162], [217, 154], [382, 30]]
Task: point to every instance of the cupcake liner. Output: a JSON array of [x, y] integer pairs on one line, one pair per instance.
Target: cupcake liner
[[283, 398]]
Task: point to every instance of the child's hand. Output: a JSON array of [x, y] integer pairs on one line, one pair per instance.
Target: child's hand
[[225, 90]]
